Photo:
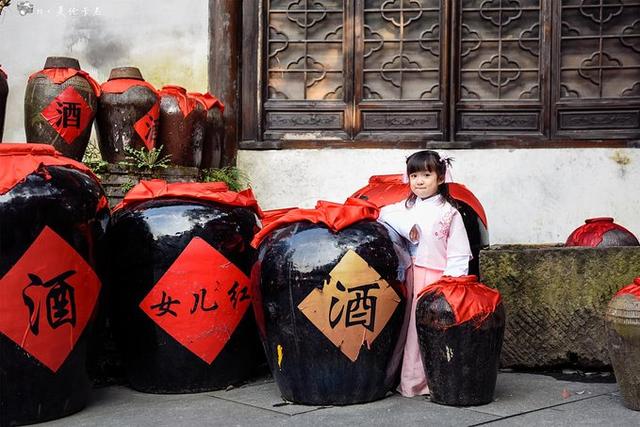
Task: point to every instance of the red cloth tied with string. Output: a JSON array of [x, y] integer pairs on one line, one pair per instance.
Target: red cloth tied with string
[[469, 299], [186, 102], [384, 190], [209, 191], [632, 289], [207, 100], [61, 75], [123, 85], [593, 231], [335, 216], [17, 161]]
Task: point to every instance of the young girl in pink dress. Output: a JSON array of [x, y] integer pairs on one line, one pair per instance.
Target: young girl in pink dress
[[440, 247]]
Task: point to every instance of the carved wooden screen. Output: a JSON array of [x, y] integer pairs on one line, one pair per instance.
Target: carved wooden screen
[[400, 82], [500, 86], [307, 71], [597, 77], [408, 72]]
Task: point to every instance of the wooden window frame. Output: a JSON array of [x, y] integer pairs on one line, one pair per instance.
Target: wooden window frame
[[251, 113]]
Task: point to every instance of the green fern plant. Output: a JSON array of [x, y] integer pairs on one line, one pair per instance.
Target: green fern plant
[[146, 160], [236, 179]]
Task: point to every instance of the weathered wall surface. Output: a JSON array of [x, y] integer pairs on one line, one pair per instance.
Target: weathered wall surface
[[530, 195], [167, 40]]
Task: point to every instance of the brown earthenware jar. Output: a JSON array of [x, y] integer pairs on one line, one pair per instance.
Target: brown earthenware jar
[[212, 148], [128, 114], [182, 129], [4, 93], [622, 323], [60, 104]]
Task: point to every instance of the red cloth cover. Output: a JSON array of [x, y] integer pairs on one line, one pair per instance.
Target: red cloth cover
[[384, 190], [210, 191], [632, 289], [17, 161], [186, 102], [335, 216], [468, 298], [61, 75], [209, 101], [273, 214], [123, 85], [592, 232]]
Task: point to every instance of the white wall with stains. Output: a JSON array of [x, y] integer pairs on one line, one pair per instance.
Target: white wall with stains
[[167, 40], [530, 195]]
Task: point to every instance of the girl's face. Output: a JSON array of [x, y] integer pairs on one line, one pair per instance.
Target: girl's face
[[424, 183]]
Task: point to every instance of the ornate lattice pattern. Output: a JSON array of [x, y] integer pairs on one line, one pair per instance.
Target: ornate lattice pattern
[[499, 49], [401, 49], [305, 49], [600, 49]]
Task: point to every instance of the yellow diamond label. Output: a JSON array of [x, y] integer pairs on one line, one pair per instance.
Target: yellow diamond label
[[353, 306]]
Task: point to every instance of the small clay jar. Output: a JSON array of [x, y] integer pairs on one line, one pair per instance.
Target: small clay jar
[[128, 114], [600, 233], [60, 104], [4, 93], [183, 122], [212, 148], [622, 324]]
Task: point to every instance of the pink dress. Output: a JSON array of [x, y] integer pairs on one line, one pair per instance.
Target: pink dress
[[442, 249]]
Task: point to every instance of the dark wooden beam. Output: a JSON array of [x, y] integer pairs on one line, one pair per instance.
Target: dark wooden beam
[[224, 68]]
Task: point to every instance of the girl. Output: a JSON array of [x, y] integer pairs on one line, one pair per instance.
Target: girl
[[429, 220]]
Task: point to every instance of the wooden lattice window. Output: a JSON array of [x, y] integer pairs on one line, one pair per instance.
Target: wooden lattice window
[[406, 72]]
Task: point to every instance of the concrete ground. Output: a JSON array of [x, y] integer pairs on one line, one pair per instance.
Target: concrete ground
[[520, 399]]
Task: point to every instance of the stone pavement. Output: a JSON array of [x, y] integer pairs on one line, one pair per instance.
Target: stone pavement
[[520, 399]]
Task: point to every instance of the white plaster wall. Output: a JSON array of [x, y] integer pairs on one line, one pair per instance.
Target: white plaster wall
[[166, 39], [530, 195]]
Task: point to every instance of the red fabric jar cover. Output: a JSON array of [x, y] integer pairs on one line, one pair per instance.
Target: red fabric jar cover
[[384, 190], [210, 191], [335, 216], [632, 289], [592, 232], [186, 102], [123, 85], [207, 100], [468, 298], [61, 75], [273, 214], [17, 161]]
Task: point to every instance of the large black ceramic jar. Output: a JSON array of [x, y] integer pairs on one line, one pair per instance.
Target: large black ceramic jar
[[383, 190], [52, 213], [460, 325], [128, 114], [4, 93], [330, 300], [179, 260], [622, 323], [212, 146], [183, 124], [60, 103]]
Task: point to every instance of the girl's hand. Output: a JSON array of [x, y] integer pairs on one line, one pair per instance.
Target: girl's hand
[[414, 234]]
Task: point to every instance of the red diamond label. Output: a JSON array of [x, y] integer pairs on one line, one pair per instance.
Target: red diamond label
[[68, 114], [147, 126], [200, 300], [47, 298]]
